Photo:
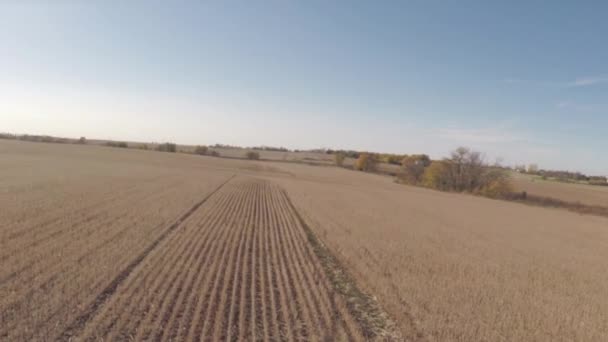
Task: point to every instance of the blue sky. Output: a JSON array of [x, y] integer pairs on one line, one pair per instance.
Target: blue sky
[[521, 81]]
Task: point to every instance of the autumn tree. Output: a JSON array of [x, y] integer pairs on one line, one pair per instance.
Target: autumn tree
[[465, 171], [339, 158], [436, 176], [201, 150], [413, 168], [533, 169], [366, 162], [252, 155]]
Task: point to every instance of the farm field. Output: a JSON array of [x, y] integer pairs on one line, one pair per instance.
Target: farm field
[[115, 244], [95, 245], [451, 267], [586, 194]]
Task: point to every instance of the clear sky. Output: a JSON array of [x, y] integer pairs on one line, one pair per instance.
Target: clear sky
[[526, 81]]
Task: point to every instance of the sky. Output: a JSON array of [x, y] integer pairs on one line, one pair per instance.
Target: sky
[[520, 81]]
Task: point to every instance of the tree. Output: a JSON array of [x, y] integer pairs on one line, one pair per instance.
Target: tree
[[120, 144], [82, 140], [495, 183], [413, 168], [394, 159], [339, 158], [465, 169], [436, 176], [201, 150], [167, 147], [366, 162], [533, 169], [252, 155]]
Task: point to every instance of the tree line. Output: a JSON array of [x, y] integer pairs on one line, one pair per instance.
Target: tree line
[[464, 170]]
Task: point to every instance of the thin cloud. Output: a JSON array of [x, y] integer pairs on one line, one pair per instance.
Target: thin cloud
[[588, 81], [578, 82], [568, 105], [477, 136]]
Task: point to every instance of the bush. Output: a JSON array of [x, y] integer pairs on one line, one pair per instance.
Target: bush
[[394, 159], [7, 136], [252, 155], [339, 158], [215, 154], [366, 162], [201, 150], [435, 176], [413, 168], [82, 140], [495, 184], [119, 144], [167, 147]]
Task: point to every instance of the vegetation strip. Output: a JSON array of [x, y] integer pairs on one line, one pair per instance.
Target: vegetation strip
[[374, 322], [99, 301]]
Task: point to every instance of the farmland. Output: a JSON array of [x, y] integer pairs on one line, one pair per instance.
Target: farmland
[[155, 253], [115, 244], [569, 192]]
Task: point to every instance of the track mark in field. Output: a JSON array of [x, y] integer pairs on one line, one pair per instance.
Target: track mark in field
[[242, 268], [99, 301]]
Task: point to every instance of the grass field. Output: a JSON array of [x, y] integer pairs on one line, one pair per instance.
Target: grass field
[[115, 244]]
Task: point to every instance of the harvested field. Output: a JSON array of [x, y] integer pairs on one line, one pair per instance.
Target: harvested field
[[452, 267], [586, 194], [156, 252], [240, 268], [99, 242]]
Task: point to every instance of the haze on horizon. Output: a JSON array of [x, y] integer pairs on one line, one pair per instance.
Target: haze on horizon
[[524, 82]]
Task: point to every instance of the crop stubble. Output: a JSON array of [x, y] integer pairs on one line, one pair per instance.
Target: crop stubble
[[239, 268]]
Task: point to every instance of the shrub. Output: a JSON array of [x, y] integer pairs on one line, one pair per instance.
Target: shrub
[[252, 155], [201, 150], [495, 183], [394, 159], [413, 168], [435, 176], [339, 158], [119, 144], [7, 136], [215, 154], [167, 147], [366, 162]]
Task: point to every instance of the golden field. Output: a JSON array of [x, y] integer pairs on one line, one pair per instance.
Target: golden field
[[119, 244]]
